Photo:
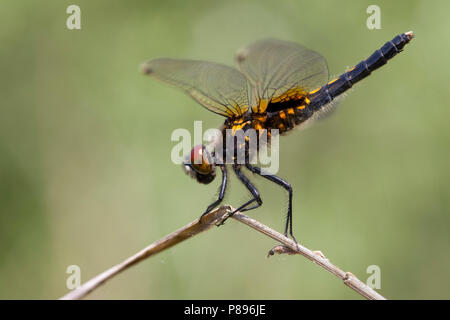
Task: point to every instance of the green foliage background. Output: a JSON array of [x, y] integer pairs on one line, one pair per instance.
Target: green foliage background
[[86, 177]]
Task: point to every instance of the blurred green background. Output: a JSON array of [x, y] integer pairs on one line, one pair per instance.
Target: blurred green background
[[86, 177]]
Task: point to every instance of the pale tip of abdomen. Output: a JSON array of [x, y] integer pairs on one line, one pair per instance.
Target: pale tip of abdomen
[[409, 34]]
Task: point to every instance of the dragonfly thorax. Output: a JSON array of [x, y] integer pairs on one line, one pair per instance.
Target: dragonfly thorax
[[241, 140]]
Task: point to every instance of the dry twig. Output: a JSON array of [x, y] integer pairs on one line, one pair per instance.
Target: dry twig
[[213, 218]]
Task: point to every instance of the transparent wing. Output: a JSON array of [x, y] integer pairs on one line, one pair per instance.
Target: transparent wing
[[280, 70], [219, 88]]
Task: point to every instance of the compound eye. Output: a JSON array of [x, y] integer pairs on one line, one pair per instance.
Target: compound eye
[[200, 160]]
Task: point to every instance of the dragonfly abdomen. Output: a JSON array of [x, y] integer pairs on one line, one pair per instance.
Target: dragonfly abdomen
[[334, 88]]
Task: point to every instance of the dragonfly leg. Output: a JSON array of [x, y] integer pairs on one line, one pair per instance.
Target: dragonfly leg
[[283, 184], [222, 188], [251, 188]]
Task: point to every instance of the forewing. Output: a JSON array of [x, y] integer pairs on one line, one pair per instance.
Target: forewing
[[280, 70], [219, 88]]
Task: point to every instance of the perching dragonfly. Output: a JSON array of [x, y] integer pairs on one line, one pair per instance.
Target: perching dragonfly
[[278, 85]]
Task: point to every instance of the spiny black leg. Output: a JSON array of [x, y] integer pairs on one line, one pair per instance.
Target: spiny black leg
[[283, 184], [223, 186], [251, 188]]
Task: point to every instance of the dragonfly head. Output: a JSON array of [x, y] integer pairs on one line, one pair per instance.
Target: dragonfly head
[[199, 165]]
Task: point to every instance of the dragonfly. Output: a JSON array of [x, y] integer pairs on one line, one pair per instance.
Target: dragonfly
[[277, 85]]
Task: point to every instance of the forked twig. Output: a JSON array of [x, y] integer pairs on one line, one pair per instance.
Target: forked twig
[[209, 220]]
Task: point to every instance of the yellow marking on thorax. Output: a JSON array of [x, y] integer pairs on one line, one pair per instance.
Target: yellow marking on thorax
[[261, 118], [282, 115], [307, 100], [290, 111], [238, 126], [301, 107]]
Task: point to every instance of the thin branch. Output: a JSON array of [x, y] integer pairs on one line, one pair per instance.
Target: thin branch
[[168, 241], [209, 220], [317, 257]]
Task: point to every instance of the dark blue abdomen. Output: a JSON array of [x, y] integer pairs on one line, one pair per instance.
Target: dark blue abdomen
[[339, 85]]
